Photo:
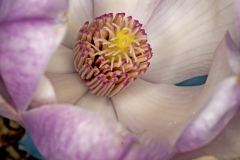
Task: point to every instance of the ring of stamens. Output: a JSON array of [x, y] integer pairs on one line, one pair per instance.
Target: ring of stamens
[[110, 53]]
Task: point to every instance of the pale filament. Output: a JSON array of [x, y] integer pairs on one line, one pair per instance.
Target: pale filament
[[110, 53]]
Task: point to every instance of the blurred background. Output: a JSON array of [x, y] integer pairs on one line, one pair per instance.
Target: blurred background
[[10, 134]]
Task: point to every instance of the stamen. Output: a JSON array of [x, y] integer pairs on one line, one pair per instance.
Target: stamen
[[112, 61], [110, 53], [118, 28], [119, 60]]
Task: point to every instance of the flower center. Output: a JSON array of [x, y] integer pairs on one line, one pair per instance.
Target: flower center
[[110, 53]]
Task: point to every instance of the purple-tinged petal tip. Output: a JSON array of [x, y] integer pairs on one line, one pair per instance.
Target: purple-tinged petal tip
[[215, 115], [222, 106]]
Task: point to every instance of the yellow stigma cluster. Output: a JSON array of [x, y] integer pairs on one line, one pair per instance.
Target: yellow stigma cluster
[[110, 53]]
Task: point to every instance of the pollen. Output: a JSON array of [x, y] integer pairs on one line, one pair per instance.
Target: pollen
[[110, 53]]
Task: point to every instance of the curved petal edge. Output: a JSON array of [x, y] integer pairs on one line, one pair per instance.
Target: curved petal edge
[[215, 115], [67, 132]]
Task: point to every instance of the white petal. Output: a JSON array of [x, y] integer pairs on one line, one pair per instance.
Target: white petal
[[167, 109], [80, 11], [100, 105], [68, 87], [139, 9], [61, 61], [218, 111], [44, 93], [184, 36], [159, 108]]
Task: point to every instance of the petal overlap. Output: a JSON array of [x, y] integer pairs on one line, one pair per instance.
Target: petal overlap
[[217, 111], [184, 36], [74, 134], [44, 94], [7, 111], [166, 109], [61, 61], [68, 87], [25, 48], [214, 116], [101, 105], [27, 41], [80, 11]]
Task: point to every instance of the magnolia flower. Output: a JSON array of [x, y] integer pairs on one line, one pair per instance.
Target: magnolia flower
[[152, 118]]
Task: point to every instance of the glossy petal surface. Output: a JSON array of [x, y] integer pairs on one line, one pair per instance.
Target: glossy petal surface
[[75, 134], [184, 36]]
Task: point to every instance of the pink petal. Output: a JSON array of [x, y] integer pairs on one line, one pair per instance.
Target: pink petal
[[61, 61], [140, 10], [68, 87], [80, 11], [11, 10], [66, 132], [184, 36], [216, 113], [25, 48], [26, 44]]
